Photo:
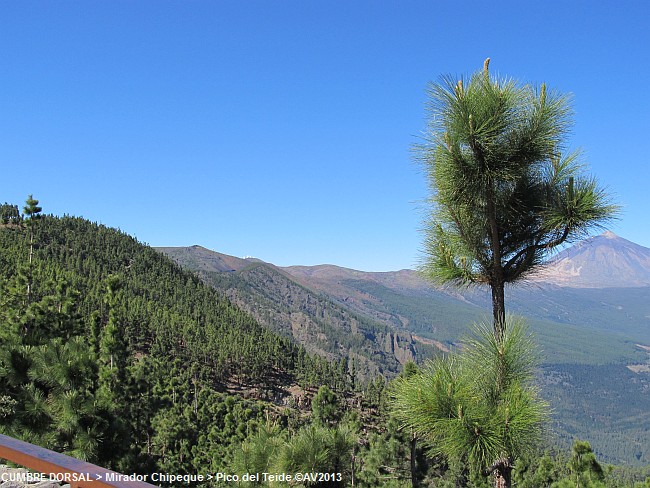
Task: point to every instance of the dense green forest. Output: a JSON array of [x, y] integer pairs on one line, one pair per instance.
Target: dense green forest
[[607, 401], [147, 358], [314, 320], [110, 352]]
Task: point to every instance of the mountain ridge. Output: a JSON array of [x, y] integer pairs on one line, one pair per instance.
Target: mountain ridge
[[404, 301], [603, 261]]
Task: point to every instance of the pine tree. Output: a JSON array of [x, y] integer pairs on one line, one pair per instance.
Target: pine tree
[[32, 211], [259, 453], [112, 349], [478, 407], [9, 214], [503, 196], [585, 469], [325, 407]]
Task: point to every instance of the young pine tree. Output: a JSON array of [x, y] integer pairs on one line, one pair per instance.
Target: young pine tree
[[503, 195]]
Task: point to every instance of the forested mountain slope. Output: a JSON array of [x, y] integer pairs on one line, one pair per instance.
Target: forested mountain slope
[[588, 336], [312, 319], [111, 352], [576, 325]]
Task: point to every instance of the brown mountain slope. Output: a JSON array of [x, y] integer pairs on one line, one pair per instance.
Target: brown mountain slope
[[604, 261], [200, 259]]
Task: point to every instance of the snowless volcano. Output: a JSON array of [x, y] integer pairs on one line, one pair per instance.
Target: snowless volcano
[[604, 261]]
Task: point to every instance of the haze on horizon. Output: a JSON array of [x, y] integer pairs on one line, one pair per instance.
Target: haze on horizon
[[284, 131]]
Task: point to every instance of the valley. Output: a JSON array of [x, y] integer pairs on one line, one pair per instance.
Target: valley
[[589, 333]]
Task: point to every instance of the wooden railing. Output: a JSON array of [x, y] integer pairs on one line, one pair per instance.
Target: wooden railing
[[63, 468]]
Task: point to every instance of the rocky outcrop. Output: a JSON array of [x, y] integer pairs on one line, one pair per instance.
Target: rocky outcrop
[[314, 320], [400, 346]]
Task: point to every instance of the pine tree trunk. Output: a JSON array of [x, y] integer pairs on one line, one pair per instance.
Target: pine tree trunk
[[501, 470], [414, 474], [497, 281], [31, 254], [503, 479], [498, 307]]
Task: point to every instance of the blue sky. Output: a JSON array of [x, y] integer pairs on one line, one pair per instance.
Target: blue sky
[[283, 130]]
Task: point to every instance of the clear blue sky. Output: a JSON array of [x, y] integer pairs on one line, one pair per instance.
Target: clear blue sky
[[283, 129]]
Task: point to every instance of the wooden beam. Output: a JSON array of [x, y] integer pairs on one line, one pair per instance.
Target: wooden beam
[[79, 473]]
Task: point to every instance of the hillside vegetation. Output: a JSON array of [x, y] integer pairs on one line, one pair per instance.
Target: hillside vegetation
[[145, 357], [587, 336], [111, 352], [312, 319]]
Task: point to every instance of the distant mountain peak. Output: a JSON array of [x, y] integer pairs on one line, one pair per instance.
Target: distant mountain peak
[[603, 261]]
